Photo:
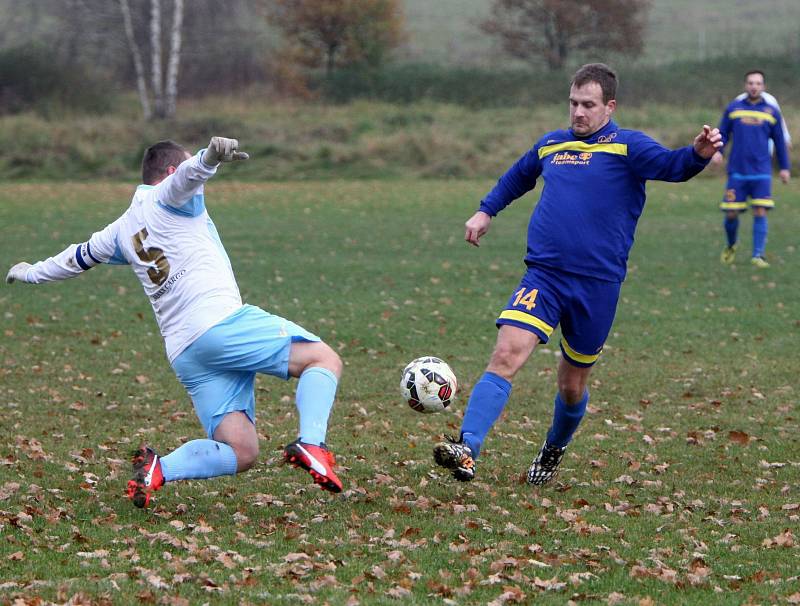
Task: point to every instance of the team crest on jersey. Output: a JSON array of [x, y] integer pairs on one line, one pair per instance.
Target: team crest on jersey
[[607, 138], [581, 159]]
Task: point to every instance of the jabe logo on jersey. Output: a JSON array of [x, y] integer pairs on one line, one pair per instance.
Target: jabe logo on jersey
[[607, 138], [581, 159]]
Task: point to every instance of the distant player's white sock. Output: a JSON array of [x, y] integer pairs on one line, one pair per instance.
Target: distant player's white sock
[[199, 459], [316, 391]]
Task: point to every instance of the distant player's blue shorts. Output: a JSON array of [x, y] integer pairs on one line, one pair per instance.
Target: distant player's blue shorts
[[584, 307], [219, 368], [741, 187]]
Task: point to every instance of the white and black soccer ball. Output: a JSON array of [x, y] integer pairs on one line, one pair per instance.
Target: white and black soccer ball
[[428, 384]]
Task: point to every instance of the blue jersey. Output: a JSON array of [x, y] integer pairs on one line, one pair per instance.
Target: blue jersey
[[751, 126], [593, 195]]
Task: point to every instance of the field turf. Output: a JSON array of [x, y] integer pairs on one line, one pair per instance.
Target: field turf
[[680, 488]]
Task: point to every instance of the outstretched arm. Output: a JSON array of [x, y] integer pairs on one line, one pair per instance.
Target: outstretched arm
[[73, 260]]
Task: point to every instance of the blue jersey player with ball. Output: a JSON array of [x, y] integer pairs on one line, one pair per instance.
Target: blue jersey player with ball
[[579, 237]]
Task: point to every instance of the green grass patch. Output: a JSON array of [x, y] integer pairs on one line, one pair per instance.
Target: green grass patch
[[680, 488]]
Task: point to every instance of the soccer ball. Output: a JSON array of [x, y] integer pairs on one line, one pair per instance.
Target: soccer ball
[[428, 384]]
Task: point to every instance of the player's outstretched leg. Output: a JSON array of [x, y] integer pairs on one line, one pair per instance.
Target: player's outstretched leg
[[456, 456], [316, 460], [147, 476]]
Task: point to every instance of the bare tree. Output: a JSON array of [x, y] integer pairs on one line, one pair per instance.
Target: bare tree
[[141, 85], [174, 59], [552, 30], [164, 96]]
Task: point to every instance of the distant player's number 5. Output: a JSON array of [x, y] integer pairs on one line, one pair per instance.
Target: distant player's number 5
[[158, 274], [527, 300]]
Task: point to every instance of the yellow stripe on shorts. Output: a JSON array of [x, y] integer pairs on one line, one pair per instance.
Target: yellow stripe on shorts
[[578, 357], [518, 316], [733, 205]]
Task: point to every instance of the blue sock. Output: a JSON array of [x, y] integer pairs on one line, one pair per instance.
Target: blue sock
[[199, 459], [316, 390], [485, 404], [566, 420], [760, 229], [731, 229]]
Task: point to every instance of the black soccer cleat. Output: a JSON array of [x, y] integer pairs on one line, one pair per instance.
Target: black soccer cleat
[[456, 456], [545, 466]]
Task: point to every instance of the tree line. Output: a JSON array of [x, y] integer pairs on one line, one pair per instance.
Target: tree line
[[200, 47]]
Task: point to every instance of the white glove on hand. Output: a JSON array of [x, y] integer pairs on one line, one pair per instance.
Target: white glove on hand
[[18, 272], [221, 149]]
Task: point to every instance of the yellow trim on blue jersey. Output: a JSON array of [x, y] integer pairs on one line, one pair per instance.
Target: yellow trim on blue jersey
[[519, 316], [749, 113], [733, 205], [620, 149], [766, 202], [578, 357]]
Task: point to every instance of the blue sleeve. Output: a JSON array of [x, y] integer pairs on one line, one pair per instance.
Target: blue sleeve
[[651, 160], [780, 142], [518, 180]]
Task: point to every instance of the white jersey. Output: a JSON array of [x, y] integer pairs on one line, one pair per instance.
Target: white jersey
[[173, 246]]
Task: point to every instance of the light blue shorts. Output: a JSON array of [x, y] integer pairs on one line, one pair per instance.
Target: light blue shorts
[[219, 368]]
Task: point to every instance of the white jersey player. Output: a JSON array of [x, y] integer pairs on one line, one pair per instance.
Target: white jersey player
[[214, 343]]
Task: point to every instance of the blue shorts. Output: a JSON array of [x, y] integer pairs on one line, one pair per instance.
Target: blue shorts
[[219, 368], [741, 187], [584, 307]]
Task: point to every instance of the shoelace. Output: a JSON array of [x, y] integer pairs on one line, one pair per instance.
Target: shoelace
[[550, 455]]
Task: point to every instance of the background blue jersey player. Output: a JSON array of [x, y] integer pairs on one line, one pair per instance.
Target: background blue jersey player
[[751, 122], [579, 237]]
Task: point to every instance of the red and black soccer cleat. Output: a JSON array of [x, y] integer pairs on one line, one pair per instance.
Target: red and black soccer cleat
[[147, 476], [316, 460]]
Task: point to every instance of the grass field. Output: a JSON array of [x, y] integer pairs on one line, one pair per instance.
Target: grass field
[[681, 487]]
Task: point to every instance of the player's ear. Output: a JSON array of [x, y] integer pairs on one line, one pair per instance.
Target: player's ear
[[611, 105], [171, 169]]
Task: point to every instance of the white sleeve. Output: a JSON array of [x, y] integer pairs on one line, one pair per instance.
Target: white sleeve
[[183, 189], [102, 247], [774, 103]]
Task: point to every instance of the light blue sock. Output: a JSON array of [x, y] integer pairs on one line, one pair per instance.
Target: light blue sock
[[731, 229], [316, 391], [760, 228], [199, 459], [566, 419], [486, 402]]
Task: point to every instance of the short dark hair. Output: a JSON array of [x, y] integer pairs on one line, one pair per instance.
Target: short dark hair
[[600, 73], [755, 71], [158, 158]]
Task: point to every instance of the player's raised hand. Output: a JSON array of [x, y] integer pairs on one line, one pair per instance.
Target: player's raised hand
[[477, 225], [18, 272], [707, 142], [221, 149]]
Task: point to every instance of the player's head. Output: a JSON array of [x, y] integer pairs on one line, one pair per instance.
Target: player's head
[[754, 83], [592, 98], [160, 160]]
